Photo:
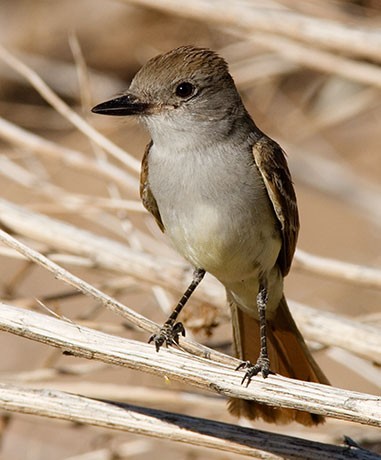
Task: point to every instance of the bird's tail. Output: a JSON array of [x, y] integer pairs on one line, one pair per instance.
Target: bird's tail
[[289, 356]]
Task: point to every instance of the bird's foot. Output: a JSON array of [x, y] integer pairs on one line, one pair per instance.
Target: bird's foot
[[261, 366], [168, 335]]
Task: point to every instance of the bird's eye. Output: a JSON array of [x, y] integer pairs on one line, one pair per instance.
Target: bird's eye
[[184, 89]]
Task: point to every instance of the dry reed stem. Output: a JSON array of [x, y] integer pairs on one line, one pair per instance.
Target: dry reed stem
[[335, 179], [360, 41], [323, 61], [366, 370], [122, 451], [110, 303], [130, 394], [61, 107], [61, 75], [172, 426], [335, 330], [324, 327], [64, 200], [200, 372], [258, 25], [52, 373], [68, 157], [336, 269]]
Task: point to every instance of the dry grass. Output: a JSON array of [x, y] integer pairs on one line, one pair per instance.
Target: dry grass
[[309, 73]]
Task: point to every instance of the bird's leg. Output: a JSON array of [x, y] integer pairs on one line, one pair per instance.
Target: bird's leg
[[170, 331], [263, 363]]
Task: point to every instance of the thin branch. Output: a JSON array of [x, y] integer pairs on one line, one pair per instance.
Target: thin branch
[[68, 157], [52, 373], [363, 368], [335, 330], [361, 41], [324, 327], [172, 426], [129, 394], [187, 368], [82, 71], [108, 254], [60, 75], [52, 98], [337, 180], [258, 25], [249, 71], [87, 204], [110, 303], [129, 449], [62, 274], [336, 269], [323, 61], [64, 200]]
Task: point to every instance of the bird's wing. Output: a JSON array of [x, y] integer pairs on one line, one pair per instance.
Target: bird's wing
[[146, 195], [271, 162]]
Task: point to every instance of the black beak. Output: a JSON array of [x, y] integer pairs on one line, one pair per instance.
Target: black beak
[[127, 104]]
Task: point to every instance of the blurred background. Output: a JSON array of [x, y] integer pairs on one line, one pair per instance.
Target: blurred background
[[320, 101]]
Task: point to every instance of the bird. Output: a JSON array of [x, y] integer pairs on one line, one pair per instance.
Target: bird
[[222, 192]]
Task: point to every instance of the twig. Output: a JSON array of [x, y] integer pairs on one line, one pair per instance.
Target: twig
[[323, 61], [259, 24], [68, 157], [52, 373], [129, 449], [82, 71], [324, 327], [61, 107], [336, 179], [336, 269], [110, 303], [130, 394], [335, 330], [171, 426], [200, 372], [363, 368], [72, 203], [64, 199], [62, 274], [248, 72], [107, 253], [362, 41], [60, 75]]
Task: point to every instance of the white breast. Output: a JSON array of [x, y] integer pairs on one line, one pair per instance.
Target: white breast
[[215, 210]]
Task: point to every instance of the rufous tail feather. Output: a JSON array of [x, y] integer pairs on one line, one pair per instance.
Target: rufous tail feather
[[289, 356]]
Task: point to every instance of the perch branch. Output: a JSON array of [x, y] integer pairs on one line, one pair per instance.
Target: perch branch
[[110, 303], [200, 372], [327, 328]]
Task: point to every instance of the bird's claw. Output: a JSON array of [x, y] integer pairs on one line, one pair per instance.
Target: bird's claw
[[168, 335], [261, 366]]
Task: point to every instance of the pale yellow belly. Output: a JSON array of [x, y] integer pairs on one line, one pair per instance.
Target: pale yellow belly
[[228, 249]]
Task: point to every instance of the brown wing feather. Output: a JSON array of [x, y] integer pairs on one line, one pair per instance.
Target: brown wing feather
[[271, 162], [146, 195]]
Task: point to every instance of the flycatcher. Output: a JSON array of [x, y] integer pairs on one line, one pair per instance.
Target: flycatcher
[[222, 192]]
